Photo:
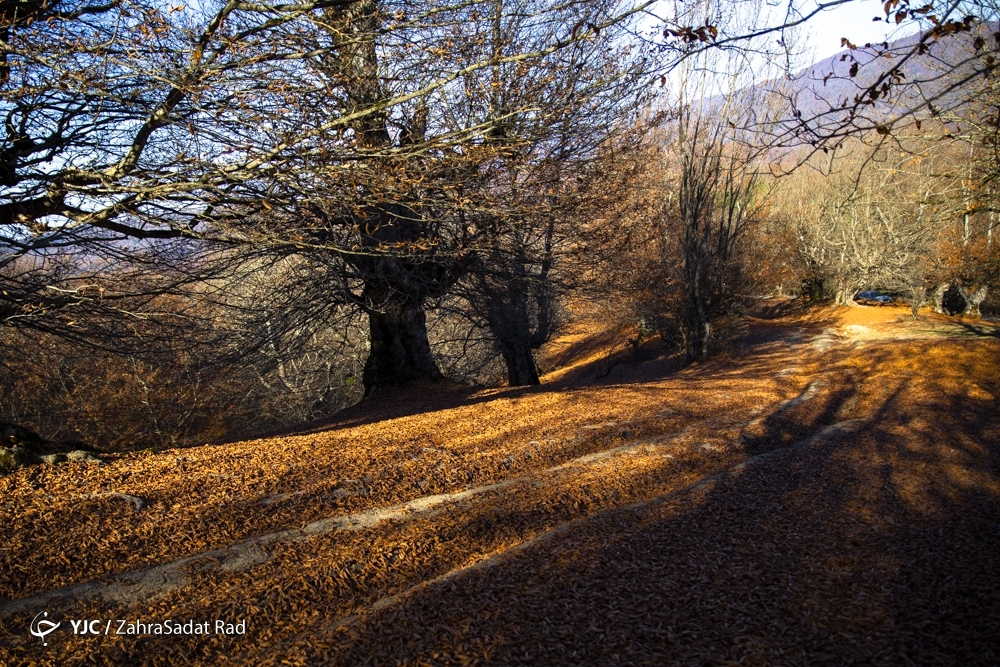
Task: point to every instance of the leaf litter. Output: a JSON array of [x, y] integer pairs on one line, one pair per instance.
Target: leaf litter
[[841, 513]]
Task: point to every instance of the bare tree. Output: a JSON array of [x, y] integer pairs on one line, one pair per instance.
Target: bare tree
[[714, 190], [343, 131], [885, 227]]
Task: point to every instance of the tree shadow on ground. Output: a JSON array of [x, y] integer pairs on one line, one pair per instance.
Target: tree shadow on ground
[[874, 548], [878, 547], [614, 359], [976, 330]]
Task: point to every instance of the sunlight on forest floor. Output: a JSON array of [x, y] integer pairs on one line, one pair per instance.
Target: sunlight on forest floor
[[829, 488]]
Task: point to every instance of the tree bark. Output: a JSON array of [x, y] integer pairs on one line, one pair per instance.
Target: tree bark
[[972, 302], [509, 322], [543, 331], [938, 298], [812, 290], [917, 295], [845, 296], [400, 351], [544, 293], [521, 370]]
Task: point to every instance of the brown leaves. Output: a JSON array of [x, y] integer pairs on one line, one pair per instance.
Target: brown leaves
[[705, 34], [516, 567]]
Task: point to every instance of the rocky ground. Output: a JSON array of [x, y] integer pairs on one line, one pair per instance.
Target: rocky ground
[[828, 493]]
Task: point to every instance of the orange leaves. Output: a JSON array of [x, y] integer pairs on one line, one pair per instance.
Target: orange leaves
[[578, 466]]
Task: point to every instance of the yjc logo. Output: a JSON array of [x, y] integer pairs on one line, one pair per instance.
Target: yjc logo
[[40, 628]]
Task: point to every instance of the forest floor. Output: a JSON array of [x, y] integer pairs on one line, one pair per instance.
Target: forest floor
[[827, 493]]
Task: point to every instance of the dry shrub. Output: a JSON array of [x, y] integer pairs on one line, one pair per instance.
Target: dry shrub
[[168, 392]]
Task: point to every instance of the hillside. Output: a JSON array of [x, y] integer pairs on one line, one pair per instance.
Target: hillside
[[820, 91], [828, 494]]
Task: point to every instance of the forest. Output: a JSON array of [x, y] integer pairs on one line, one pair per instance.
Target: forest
[[499, 332], [218, 221]]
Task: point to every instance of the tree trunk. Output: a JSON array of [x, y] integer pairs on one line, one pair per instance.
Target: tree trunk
[[511, 326], [938, 297], [543, 332], [845, 296], [812, 290], [917, 295], [972, 302], [400, 352], [394, 288], [544, 293], [698, 335], [521, 370]]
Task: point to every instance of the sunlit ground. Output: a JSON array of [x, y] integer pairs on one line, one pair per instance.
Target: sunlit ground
[[826, 493]]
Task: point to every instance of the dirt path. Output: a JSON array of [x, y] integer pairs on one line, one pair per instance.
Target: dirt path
[[493, 530]]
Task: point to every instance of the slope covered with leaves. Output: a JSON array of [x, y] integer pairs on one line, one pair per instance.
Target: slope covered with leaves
[[827, 494]]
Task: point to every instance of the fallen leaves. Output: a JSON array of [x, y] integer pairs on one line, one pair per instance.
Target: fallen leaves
[[559, 557]]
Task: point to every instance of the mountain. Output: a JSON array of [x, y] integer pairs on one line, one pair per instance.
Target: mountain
[[868, 85]]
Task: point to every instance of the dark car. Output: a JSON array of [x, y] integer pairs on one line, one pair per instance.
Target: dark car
[[873, 297]]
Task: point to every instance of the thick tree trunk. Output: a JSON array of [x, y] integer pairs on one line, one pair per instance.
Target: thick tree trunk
[[510, 325], [938, 297], [845, 296], [521, 370], [973, 301], [400, 352]]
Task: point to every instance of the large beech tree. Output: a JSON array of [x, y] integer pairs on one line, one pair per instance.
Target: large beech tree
[[396, 146], [361, 134], [456, 133]]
